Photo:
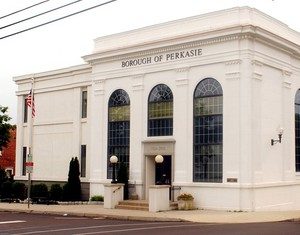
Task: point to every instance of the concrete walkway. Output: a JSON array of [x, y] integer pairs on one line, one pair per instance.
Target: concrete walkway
[[203, 216]]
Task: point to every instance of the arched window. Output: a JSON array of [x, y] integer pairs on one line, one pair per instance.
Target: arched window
[[160, 111], [208, 131], [118, 128], [297, 131]]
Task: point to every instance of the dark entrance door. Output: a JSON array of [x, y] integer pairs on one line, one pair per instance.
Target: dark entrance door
[[163, 171]]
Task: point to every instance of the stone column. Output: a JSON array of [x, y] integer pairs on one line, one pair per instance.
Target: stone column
[[113, 194], [159, 198]]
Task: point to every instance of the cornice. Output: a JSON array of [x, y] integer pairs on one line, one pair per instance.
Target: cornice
[[56, 87], [138, 52], [54, 74], [183, 42]]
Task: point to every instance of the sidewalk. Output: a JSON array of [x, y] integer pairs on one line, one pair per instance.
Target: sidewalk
[[203, 216]]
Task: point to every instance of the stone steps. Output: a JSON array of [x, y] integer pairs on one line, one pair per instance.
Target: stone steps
[[142, 205]]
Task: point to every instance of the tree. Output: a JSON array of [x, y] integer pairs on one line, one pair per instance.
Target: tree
[[72, 189], [4, 127]]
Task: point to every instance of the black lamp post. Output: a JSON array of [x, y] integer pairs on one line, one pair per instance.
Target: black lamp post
[[113, 160]]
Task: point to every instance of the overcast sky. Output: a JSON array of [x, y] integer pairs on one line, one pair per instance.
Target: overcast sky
[[63, 43]]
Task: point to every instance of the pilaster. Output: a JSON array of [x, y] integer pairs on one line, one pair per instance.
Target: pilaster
[[183, 160], [288, 152], [136, 129]]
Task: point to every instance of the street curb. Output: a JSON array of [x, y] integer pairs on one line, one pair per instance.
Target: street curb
[[94, 215]]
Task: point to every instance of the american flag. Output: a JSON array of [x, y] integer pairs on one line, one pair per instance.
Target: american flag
[[28, 102]]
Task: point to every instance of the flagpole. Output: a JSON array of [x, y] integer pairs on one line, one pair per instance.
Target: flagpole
[[30, 138]]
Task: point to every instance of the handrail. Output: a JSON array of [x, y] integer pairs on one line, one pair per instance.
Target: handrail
[[117, 189]]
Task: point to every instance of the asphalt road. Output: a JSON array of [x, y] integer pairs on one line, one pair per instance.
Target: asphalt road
[[22, 223]]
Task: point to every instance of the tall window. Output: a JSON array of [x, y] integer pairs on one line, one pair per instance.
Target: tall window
[[83, 104], [24, 152], [83, 161], [160, 111], [118, 128], [208, 131], [25, 110], [297, 131]]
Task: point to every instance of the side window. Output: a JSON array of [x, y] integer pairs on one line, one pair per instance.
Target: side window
[[297, 131], [83, 161], [84, 104], [25, 110], [24, 160]]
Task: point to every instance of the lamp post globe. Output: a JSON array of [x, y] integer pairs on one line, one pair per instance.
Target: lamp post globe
[[159, 158], [113, 160]]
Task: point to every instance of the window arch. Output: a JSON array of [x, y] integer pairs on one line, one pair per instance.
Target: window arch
[[160, 111], [208, 131], [297, 131], [118, 128]]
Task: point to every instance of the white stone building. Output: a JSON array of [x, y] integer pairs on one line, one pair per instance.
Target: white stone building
[[207, 92]]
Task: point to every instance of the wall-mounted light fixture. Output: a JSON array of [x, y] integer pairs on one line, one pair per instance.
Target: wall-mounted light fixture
[[280, 132]]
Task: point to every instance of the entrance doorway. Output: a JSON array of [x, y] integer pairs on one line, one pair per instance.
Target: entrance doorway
[[157, 173], [163, 171]]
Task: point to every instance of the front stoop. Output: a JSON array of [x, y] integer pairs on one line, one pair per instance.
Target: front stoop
[[142, 205]]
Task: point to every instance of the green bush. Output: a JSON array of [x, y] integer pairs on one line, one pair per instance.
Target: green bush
[[19, 190], [3, 178], [6, 190], [66, 192], [39, 190], [185, 197], [72, 189], [97, 198], [56, 192]]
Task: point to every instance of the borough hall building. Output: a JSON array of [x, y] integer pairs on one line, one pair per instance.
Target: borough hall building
[[217, 95]]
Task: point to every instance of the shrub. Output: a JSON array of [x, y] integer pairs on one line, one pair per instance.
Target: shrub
[[72, 189], [185, 197], [97, 198], [19, 190], [56, 192], [3, 177], [6, 190], [39, 190]]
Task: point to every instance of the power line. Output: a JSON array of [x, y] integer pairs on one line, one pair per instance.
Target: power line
[[43, 13], [15, 12], [49, 22]]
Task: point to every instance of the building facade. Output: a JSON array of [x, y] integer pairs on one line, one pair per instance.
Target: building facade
[[208, 93], [8, 154]]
